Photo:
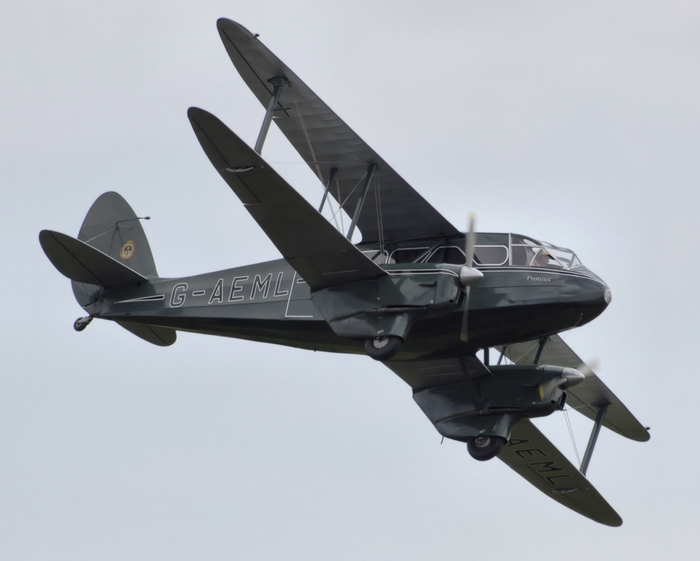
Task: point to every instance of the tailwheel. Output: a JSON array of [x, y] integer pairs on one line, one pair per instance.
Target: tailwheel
[[383, 348], [484, 447]]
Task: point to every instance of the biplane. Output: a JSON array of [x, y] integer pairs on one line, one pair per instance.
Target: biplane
[[469, 320]]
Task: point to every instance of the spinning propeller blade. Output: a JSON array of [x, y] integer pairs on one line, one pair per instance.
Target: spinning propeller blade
[[468, 275], [587, 370]]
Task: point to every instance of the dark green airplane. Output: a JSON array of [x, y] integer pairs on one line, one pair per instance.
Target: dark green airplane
[[416, 293]]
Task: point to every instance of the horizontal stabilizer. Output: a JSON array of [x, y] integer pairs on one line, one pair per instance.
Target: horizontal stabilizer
[[586, 395], [533, 456], [319, 253], [83, 263], [160, 336]]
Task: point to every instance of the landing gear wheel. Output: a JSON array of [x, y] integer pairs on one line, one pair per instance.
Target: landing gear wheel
[[484, 448], [383, 348], [82, 323]]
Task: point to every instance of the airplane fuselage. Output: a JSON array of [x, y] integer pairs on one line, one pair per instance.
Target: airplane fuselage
[[269, 302]]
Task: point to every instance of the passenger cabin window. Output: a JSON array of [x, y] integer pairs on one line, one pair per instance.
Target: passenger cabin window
[[379, 257], [493, 250], [483, 255], [408, 255], [448, 254], [490, 255]]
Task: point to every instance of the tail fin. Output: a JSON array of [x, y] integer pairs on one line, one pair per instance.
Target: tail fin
[[111, 252], [112, 227]]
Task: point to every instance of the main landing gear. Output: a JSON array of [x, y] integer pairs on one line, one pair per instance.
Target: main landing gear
[[484, 448], [383, 348], [82, 323]]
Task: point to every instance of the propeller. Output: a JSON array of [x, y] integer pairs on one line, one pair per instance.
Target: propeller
[[468, 275], [587, 370], [570, 377]]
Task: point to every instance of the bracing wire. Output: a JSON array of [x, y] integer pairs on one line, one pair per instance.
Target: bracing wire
[[308, 143], [342, 204], [571, 434], [340, 207]]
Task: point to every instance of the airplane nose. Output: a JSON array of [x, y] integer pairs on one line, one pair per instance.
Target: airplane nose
[[607, 295], [586, 297], [599, 295]]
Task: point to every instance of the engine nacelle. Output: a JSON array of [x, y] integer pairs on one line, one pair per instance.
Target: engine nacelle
[[492, 404]]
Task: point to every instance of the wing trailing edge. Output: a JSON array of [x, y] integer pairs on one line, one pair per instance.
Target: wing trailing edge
[[317, 251]]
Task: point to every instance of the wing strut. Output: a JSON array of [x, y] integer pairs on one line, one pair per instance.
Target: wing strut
[[602, 408], [361, 201], [278, 82], [324, 141], [328, 188], [543, 342], [587, 397]]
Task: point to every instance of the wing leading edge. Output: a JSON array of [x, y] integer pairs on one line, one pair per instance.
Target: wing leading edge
[[589, 393], [528, 452], [317, 251], [392, 209]]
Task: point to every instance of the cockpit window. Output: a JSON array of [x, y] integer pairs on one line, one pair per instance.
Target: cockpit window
[[532, 253]]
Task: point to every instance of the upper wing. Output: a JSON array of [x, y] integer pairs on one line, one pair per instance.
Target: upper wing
[[588, 393], [319, 253], [534, 457], [325, 142]]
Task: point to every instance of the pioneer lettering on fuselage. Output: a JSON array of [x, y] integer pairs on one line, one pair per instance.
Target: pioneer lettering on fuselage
[[235, 291]]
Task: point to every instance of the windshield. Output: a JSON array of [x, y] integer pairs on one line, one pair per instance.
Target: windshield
[[533, 253]]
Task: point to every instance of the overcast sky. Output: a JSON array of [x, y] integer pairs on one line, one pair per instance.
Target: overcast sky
[[577, 123]]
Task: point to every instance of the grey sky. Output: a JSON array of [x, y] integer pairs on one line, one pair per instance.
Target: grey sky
[[577, 123]]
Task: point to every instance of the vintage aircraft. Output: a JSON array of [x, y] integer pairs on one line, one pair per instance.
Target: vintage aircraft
[[416, 293]]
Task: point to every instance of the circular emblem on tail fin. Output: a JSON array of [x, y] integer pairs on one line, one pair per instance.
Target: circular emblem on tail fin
[[127, 251]]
